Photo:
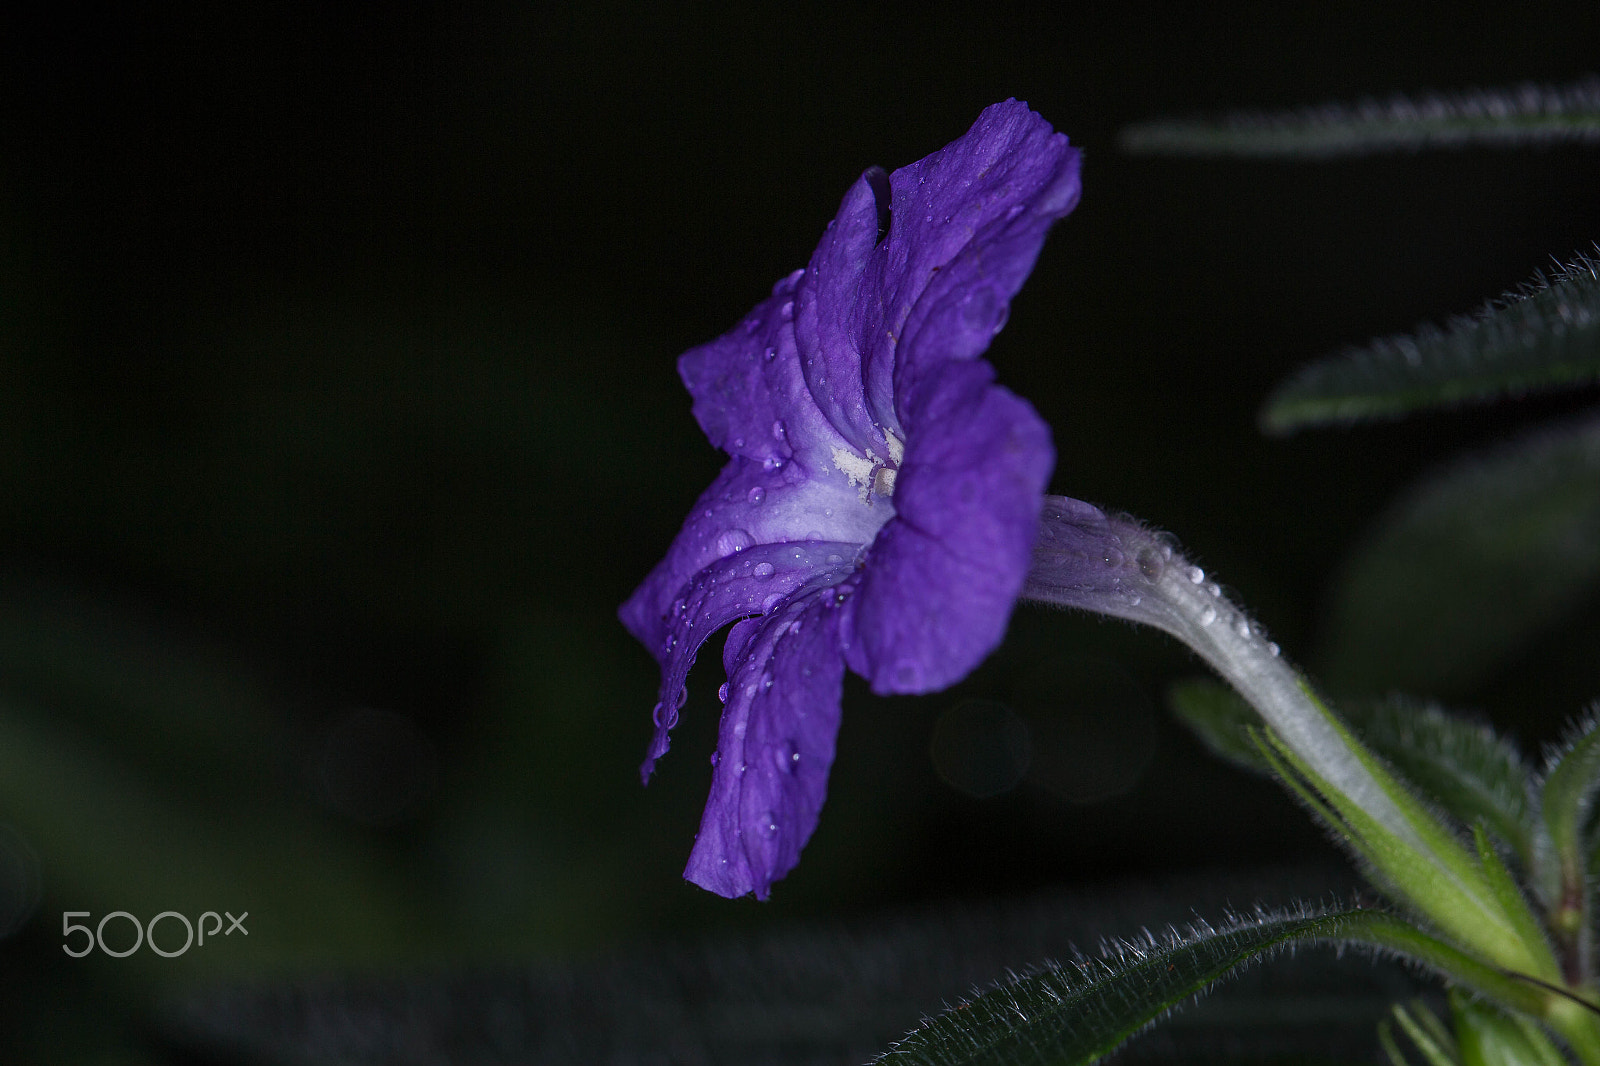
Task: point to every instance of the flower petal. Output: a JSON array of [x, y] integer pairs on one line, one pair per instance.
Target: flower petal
[[834, 308], [967, 223], [940, 580], [775, 745], [746, 506], [750, 394], [758, 580], [981, 209]]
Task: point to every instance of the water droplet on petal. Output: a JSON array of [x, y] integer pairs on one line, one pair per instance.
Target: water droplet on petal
[[1214, 589], [1273, 650], [778, 430], [722, 693], [766, 683], [1242, 628], [756, 495], [732, 540], [1150, 563], [768, 824], [1112, 558], [786, 756], [716, 757], [738, 442], [1208, 615], [771, 352], [764, 570], [1195, 574]]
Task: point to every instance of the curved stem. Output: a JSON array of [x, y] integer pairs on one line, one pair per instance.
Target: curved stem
[[1112, 565]]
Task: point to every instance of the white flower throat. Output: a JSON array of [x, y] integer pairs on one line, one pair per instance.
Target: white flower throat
[[868, 473]]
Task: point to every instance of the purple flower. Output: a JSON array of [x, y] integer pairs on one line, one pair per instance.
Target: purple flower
[[883, 494]]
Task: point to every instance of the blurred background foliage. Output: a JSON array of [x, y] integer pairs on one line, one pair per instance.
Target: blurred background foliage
[[338, 412]]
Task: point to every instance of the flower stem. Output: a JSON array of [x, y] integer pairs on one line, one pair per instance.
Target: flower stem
[[1113, 565]]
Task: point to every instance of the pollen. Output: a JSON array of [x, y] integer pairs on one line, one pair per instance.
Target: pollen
[[868, 473], [858, 468]]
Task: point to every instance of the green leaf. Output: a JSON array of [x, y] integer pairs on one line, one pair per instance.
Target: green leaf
[[1570, 784], [1567, 796], [1419, 862], [1083, 1010], [1489, 1037], [1438, 1048], [1469, 566], [1545, 335], [1510, 118], [1463, 766], [1221, 718], [1513, 902]]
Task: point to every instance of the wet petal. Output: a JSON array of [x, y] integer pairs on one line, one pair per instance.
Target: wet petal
[[969, 221], [775, 745], [750, 505], [966, 224], [750, 395], [756, 581], [982, 208], [940, 580], [832, 308], [858, 415]]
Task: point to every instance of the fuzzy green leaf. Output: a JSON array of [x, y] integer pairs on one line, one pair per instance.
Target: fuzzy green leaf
[[1221, 719], [1570, 784], [1419, 863], [1567, 795], [1081, 1011], [1529, 114], [1085, 1009], [1545, 335], [1463, 766], [1470, 565]]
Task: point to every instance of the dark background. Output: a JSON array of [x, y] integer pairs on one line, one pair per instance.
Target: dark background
[[338, 412]]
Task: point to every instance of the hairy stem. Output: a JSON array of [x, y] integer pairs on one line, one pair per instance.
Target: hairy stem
[[1112, 565]]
